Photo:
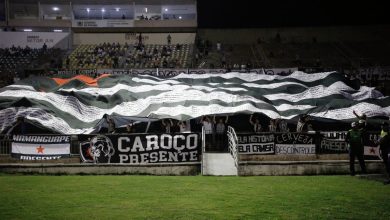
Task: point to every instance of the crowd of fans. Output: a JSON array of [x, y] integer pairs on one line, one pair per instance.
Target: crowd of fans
[[15, 62], [125, 56]]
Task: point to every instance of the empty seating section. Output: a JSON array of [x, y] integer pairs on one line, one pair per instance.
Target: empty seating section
[[368, 53], [128, 56], [303, 54]]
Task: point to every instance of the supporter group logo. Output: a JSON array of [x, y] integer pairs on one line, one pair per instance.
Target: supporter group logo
[[98, 149]]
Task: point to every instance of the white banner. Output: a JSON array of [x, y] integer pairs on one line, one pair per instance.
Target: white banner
[[40, 147], [296, 149], [102, 23], [372, 151]]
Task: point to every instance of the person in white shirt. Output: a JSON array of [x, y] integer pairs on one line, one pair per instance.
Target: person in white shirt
[[220, 130], [208, 129]]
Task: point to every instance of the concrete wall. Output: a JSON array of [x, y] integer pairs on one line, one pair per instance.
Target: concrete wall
[[258, 157], [184, 169], [149, 38], [281, 168]]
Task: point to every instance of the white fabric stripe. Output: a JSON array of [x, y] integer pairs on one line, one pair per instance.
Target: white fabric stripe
[[323, 91], [197, 111], [168, 81], [272, 85], [21, 87], [371, 110], [86, 113], [68, 104], [250, 77], [144, 88], [9, 115], [58, 124], [285, 107]]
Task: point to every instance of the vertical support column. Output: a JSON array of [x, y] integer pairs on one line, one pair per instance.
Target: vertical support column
[[6, 11], [40, 18]]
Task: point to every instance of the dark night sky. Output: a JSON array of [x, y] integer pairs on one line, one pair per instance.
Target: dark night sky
[[279, 13]]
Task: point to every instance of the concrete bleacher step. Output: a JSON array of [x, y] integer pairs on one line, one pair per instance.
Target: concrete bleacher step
[[218, 164]]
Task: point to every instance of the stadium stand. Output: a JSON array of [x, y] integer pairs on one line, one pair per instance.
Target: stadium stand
[[127, 56]]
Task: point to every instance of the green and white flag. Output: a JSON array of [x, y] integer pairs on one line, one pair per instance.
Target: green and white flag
[[76, 105]]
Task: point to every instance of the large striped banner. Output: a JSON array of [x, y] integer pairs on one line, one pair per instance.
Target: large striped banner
[[76, 105]]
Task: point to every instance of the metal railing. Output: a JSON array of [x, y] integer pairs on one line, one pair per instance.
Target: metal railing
[[233, 149], [203, 148], [5, 144]]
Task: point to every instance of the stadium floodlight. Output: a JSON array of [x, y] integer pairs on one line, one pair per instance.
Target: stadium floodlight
[[27, 30], [103, 10], [56, 9], [117, 9], [57, 30], [88, 10], [166, 9]]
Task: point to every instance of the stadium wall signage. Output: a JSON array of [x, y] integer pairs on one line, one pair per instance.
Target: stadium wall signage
[[252, 143], [140, 148], [40, 147], [77, 72], [31, 39], [102, 23]]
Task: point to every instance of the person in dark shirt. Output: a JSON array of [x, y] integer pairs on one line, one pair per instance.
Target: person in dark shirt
[[356, 148], [256, 124]]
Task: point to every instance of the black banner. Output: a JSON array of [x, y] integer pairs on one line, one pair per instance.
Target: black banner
[[140, 148], [295, 143], [333, 142], [252, 143]]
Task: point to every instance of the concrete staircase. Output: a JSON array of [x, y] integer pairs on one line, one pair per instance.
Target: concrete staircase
[[218, 164]]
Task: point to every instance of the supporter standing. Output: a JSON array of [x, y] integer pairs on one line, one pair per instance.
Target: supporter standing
[[283, 127], [169, 38], [183, 126], [130, 128], [304, 124], [220, 130], [256, 124], [384, 145], [208, 129], [272, 125], [167, 124], [356, 148], [111, 125]]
